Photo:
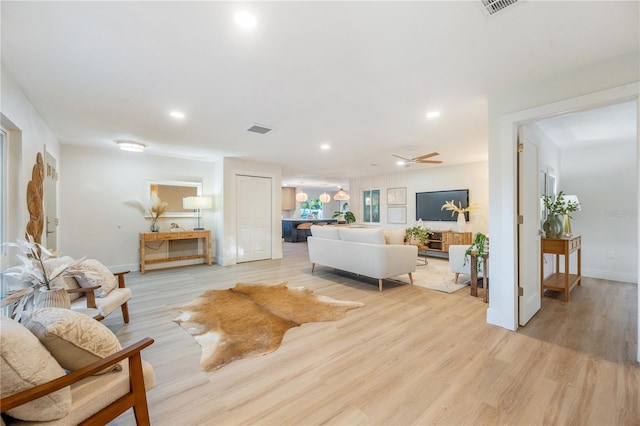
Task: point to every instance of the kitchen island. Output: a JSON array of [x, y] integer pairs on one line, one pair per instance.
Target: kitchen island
[[289, 227]]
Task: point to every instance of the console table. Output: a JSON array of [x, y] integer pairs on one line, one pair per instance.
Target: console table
[[205, 236], [558, 281]]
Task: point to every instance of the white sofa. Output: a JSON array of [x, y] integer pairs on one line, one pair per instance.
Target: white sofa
[[362, 251]]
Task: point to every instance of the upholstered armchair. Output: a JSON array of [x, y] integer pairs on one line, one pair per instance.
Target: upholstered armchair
[[459, 262], [103, 381]]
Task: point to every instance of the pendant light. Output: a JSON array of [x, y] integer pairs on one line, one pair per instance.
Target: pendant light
[[325, 198], [341, 195], [301, 196]]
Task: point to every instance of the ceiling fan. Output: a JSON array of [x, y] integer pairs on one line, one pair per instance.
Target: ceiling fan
[[423, 159]]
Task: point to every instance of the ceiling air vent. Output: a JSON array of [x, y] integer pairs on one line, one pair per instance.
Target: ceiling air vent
[[491, 7], [256, 128]]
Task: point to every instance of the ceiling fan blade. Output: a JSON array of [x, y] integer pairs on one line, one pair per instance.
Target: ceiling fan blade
[[402, 158], [424, 157], [429, 161]]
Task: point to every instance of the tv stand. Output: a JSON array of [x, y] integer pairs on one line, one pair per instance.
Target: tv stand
[[439, 241]]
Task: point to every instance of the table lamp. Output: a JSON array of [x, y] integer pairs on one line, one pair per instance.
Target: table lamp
[[197, 203]]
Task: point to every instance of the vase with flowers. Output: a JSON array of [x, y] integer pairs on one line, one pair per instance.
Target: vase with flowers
[[39, 282], [557, 207], [156, 208], [462, 220]]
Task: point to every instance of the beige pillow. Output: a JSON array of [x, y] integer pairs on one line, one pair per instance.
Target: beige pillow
[[395, 236], [67, 281], [91, 273], [74, 339], [25, 364]]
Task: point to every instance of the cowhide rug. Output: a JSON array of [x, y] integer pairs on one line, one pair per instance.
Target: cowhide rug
[[251, 319]]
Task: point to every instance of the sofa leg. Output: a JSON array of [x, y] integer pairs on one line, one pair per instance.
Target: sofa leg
[[410, 278], [380, 285], [313, 266], [455, 280]]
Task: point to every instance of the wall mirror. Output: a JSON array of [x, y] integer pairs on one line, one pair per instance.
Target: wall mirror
[[173, 192]]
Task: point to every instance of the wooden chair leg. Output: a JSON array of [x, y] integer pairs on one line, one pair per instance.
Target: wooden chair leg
[[125, 312], [410, 278], [380, 285], [455, 280], [140, 407]]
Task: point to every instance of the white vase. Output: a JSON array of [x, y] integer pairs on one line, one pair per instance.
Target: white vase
[[462, 223], [57, 297]]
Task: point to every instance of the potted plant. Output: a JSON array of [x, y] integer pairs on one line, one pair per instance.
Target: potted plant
[[346, 216], [557, 207], [419, 233], [462, 221], [479, 247], [39, 281]]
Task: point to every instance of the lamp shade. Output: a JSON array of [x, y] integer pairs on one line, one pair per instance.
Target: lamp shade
[[302, 196], [572, 199], [341, 195], [193, 203], [325, 198]]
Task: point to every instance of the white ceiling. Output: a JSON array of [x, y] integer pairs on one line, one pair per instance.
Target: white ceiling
[[357, 75]]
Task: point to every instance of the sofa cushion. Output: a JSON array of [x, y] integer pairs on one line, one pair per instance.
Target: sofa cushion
[[67, 281], [395, 236], [74, 339], [330, 232], [25, 364], [362, 235], [91, 273]]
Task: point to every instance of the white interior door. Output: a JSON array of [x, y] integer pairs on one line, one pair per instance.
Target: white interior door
[[254, 218], [528, 230], [50, 201]]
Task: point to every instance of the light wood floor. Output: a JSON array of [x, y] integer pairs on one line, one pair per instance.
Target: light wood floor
[[411, 356]]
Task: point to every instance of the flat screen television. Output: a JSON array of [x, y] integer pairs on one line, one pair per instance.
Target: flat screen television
[[429, 204]]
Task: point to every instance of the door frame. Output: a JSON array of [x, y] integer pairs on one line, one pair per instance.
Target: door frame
[[503, 309]]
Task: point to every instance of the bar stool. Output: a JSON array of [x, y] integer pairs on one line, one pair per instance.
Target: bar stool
[[304, 231]]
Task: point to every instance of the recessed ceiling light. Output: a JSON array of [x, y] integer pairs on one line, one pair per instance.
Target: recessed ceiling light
[[245, 19], [325, 146], [131, 146], [433, 114], [178, 115]]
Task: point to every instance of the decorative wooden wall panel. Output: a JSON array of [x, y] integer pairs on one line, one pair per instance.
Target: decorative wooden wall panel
[[35, 193]]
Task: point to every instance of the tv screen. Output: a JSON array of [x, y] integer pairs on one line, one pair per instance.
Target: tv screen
[[429, 204]]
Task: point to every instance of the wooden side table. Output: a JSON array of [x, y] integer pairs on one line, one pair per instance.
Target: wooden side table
[[561, 281], [474, 275], [204, 235]]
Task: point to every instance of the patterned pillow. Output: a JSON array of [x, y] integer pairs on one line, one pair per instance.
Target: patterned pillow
[[26, 363], [91, 273], [75, 340]]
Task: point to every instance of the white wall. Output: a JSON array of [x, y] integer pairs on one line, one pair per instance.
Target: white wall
[[507, 109], [27, 134], [604, 177], [472, 176], [96, 188]]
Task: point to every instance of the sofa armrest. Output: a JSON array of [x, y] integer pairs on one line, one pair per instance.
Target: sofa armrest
[[89, 294], [135, 377], [120, 276]]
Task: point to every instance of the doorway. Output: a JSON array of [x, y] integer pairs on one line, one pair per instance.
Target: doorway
[[590, 152], [50, 201]]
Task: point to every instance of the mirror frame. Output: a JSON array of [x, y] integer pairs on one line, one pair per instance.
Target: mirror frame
[[169, 213]]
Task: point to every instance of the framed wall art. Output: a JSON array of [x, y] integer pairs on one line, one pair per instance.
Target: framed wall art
[[397, 214], [397, 196]]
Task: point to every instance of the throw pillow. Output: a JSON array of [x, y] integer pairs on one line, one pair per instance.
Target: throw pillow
[[67, 281], [395, 236], [25, 364], [74, 339], [92, 273]]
